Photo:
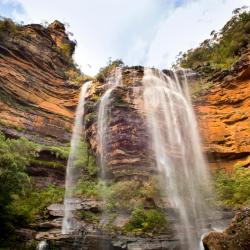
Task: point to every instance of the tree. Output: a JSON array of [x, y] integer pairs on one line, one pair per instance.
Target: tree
[[15, 155]]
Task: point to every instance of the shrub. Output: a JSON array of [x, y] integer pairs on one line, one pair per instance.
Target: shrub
[[103, 73], [15, 155], [87, 188], [129, 194], [66, 49], [74, 75], [32, 203], [151, 220], [233, 189], [89, 216], [7, 25]]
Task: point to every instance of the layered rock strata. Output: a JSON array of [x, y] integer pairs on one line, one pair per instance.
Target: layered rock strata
[[223, 114], [36, 100]]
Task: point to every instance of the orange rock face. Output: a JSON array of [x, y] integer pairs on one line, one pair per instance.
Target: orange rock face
[[224, 117], [36, 100]]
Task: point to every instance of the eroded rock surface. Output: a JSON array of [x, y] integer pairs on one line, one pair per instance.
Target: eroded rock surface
[[235, 237], [36, 101], [223, 114], [128, 140]]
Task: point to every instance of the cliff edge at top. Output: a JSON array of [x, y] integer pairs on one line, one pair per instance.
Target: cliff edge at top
[[223, 116], [36, 99]]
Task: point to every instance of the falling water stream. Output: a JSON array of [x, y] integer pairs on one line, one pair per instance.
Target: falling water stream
[[73, 170], [178, 155], [43, 245], [102, 129]]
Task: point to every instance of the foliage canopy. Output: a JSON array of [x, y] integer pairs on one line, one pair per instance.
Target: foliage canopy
[[223, 49]]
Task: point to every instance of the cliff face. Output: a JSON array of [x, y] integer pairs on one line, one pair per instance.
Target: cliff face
[[36, 101], [223, 114], [127, 138]]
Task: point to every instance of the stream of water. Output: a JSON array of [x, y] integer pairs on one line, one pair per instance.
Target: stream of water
[[178, 155], [102, 123], [73, 170]]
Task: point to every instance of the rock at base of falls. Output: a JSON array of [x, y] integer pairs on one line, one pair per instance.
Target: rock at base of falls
[[234, 237]]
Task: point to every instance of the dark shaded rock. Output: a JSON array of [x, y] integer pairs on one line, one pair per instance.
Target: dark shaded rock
[[26, 233], [127, 137], [46, 225]]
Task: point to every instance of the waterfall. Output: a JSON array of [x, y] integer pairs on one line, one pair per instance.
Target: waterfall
[[178, 155], [73, 171], [43, 245], [102, 123]]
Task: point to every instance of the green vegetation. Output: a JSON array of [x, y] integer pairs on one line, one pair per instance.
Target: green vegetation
[[31, 204], [132, 197], [52, 164], [147, 220], [103, 73], [223, 49], [7, 25], [85, 159], [129, 194], [89, 216], [233, 189], [87, 188], [20, 201], [66, 50], [61, 152], [74, 75], [15, 155], [199, 87]]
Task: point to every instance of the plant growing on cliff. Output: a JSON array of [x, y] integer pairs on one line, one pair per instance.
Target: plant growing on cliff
[[74, 75], [233, 189], [103, 73], [128, 195], [66, 50], [223, 48], [7, 25]]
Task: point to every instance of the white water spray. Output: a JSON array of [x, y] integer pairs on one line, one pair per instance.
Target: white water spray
[[102, 122], [43, 245], [177, 150], [73, 171]]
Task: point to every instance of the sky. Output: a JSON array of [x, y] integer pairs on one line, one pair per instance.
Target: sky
[[140, 32]]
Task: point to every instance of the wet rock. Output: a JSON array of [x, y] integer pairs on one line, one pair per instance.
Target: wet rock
[[46, 225], [235, 237], [56, 210], [121, 220], [26, 233], [91, 205]]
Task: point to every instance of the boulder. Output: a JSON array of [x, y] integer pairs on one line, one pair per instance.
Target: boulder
[[235, 237]]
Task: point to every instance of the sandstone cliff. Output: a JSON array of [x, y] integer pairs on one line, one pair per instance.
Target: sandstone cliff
[[223, 113], [36, 100], [128, 140]]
